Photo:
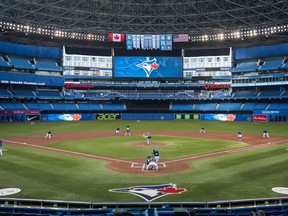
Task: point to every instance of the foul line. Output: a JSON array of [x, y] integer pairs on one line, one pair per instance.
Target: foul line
[[69, 152], [251, 147]]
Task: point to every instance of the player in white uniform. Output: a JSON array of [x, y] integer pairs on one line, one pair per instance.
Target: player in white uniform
[[48, 135], [265, 134], [117, 131], [239, 135], [202, 130], [128, 132]]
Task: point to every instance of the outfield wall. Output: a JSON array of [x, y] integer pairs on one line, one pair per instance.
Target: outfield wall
[[36, 115]]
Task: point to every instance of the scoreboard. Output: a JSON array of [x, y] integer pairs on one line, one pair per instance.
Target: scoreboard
[[185, 116]]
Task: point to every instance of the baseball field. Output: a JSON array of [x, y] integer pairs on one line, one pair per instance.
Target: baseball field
[[86, 161]]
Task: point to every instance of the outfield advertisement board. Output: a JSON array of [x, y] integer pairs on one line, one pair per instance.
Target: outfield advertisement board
[[227, 117], [108, 116], [260, 118], [68, 117], [147, 67]]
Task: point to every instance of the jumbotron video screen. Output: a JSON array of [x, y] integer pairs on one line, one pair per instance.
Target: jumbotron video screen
[[147, 67]]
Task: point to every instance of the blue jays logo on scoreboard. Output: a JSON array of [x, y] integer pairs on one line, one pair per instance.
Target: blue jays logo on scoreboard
[[147, 67]]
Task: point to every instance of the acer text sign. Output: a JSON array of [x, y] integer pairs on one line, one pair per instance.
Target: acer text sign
[[108, 116]]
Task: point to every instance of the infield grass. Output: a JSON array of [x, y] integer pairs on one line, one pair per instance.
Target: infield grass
[[44, 174]]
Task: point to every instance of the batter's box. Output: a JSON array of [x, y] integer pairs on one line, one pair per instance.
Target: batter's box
[[139, 165]]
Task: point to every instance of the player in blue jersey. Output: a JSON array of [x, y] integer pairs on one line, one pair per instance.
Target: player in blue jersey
[[117, 131], [148, 137], [156, 154], [1, 144], [147, 161]]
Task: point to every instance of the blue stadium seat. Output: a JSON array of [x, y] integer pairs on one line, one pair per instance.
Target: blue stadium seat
[[118, 107], [272, 64], [65, 106], [205, 106], [48, 65], [245, 94], [49, 93], [4, 63], [180, 107], [89, 106], [245, 67], [21, 63], [248, 106], [229, 106], [45, 106], [260, 106], [12, 105]]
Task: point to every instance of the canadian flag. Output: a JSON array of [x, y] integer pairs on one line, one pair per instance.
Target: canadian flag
[[113, 37]]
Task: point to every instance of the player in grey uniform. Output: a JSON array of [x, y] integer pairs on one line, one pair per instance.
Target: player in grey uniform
[[148, 137], [152, 165]]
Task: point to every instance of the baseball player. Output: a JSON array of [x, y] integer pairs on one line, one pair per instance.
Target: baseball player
[[156, 155], [148, 137], [127, 130], [265, 134], [48, 135], [117, 131], [152, 164], [147, 161], [239, 135], [1, 143], [202, 130]]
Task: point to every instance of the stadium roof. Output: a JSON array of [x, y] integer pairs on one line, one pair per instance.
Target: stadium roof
[[198, 18]]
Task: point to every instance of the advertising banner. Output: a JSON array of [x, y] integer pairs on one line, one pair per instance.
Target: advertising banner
[[30, 79], [108, 116], [27, 112], [32, 118], [69, 117], [260, 118], [227, 117]]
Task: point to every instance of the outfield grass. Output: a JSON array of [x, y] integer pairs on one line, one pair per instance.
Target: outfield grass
[[51, 175]]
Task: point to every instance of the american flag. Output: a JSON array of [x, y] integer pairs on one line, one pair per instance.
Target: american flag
[[180, 38]]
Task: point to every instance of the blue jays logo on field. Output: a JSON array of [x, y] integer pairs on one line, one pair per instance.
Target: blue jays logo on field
[[151, 192], [148, 66]]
